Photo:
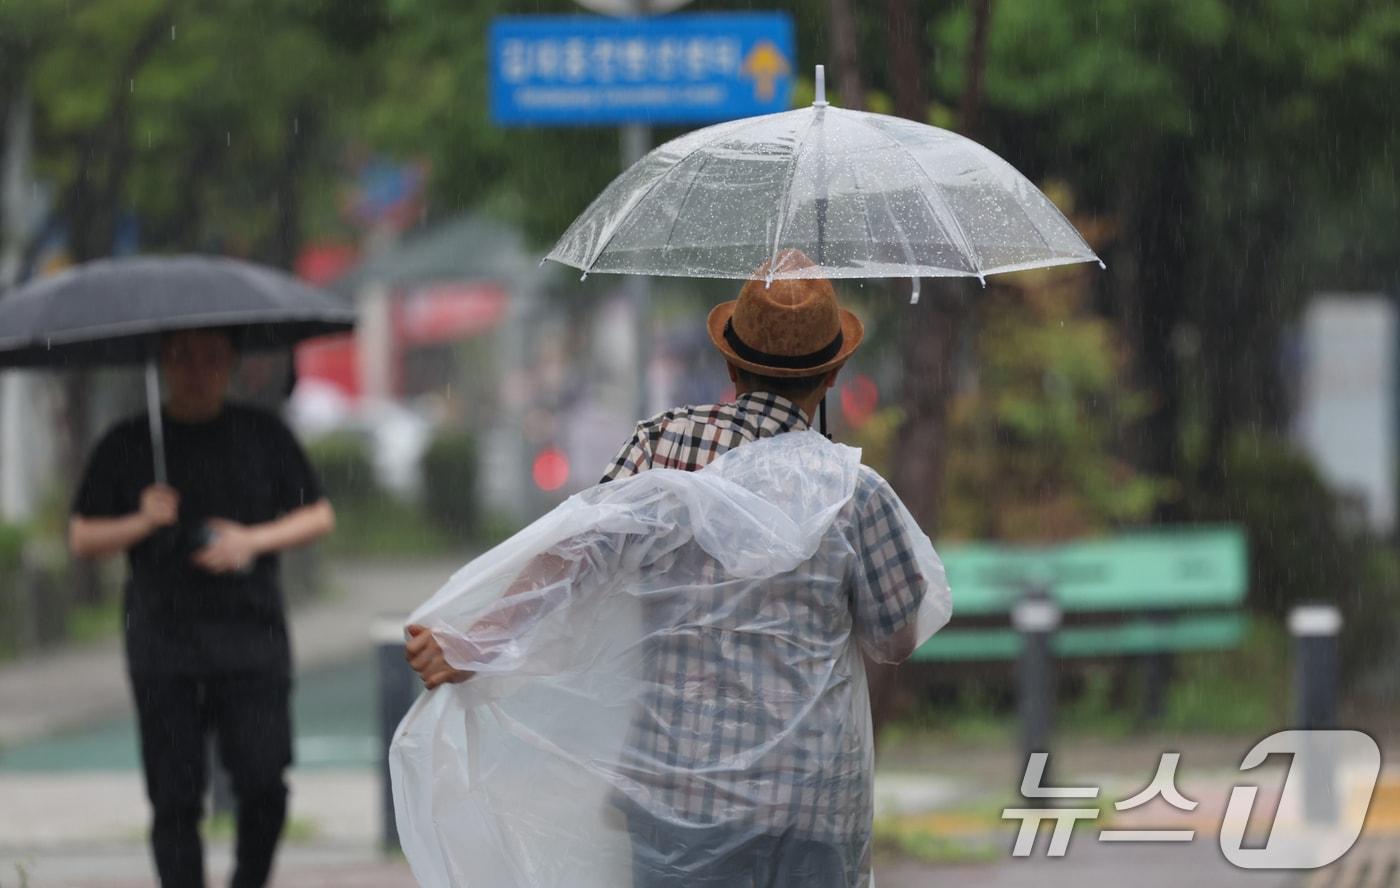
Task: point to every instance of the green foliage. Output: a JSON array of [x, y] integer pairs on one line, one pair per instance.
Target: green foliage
[[1242, 152], [449, 482], [1297, 548], [12, 608], [386, 528], [432, 103], [1243, 691], [223, 827], [12, 538], [212, 120], [93, 622], [1303, 547], [925, 838], [342, 460], [1034, 447]]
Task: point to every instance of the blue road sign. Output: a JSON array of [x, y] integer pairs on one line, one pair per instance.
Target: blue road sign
[[571, 70]]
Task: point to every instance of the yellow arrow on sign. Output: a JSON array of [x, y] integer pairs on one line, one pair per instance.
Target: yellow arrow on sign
[[765, 63]]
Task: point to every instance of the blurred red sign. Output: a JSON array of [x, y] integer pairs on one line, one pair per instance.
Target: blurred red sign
[[551, 469], [448, 312], [859, 398]]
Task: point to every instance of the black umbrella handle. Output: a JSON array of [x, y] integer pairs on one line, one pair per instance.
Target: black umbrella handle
[[153, 414]]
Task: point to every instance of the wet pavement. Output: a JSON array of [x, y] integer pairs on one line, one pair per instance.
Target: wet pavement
[[73, 812]]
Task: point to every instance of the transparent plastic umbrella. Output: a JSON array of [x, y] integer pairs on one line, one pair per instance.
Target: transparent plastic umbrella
[[862, 195]]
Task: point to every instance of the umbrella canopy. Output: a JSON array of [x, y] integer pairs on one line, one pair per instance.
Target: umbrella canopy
[[112, 311], [863, 195]]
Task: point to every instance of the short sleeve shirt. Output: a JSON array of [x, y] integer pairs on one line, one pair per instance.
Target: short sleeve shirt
[[245, 466]]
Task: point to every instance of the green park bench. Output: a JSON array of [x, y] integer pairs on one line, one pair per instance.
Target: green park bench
[[1160, 592]]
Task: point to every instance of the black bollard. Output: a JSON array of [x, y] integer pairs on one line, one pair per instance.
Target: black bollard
[[1157, 673], [398, 688], [1316, 682], [1036, 617]]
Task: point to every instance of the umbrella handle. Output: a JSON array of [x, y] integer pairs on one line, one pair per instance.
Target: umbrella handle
[[153, 414]]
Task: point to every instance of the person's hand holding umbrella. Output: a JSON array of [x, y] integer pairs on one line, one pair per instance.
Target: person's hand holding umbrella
[[204, 623], [99, 537]]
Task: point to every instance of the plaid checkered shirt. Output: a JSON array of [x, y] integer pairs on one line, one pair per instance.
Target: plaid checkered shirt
[[715, 734]]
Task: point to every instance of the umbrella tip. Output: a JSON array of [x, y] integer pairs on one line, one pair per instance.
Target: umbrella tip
[[983, 281], [820, 99], [1102, 267], [543, 260], [914, 291], [583, 277]]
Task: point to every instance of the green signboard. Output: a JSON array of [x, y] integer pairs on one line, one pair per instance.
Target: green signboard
[[1161, 591], [1152, 570]]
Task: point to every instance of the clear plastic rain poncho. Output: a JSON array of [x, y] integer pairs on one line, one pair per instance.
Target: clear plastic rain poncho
[[669, 684]]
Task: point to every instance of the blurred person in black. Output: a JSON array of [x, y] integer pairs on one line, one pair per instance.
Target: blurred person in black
[[206, 637]]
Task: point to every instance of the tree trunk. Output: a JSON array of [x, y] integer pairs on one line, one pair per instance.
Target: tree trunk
[[904, 34], [846, 55], [95, 200], [932, 329], [288, 229], [92, 207], [976, 67], [1159, 245]]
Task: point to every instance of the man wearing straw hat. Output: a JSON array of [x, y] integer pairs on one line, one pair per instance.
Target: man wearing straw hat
[[784, 342], [721, 790]]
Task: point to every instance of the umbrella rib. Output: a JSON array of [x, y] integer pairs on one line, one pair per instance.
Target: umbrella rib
[[622, 217], [951, 219], [680, 207], [1035, 226], [143, 327], [865, 216], [787, 193]]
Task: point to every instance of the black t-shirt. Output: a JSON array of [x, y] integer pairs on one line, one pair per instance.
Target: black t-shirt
[[243, 465]]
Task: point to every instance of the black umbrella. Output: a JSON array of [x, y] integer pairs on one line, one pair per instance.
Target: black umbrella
[[113, 311]]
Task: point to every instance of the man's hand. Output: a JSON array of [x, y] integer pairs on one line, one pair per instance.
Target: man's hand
[[233, 547], [160, 506], [100, 536], [424, 654]]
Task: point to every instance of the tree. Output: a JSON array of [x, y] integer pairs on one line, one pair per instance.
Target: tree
[[199, 120], [1227, 140], [1035, 451]]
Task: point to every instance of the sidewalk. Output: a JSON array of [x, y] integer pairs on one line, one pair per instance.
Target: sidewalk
[[51, 692], [85, 829]]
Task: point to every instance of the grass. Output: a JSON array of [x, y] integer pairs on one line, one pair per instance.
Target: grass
[[1234, 692], [973, 833], [21, 875], [937, 838], [222, 827], [93, 622], [386, 527]]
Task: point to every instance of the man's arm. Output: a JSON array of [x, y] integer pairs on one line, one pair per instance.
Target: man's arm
[[425, 654], [900, 591], [98, 537], [235, 545]]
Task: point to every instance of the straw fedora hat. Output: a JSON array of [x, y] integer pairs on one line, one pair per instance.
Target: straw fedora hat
[[786, 328]]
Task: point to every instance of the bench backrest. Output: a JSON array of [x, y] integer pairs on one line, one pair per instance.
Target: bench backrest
[[1178, 589]]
